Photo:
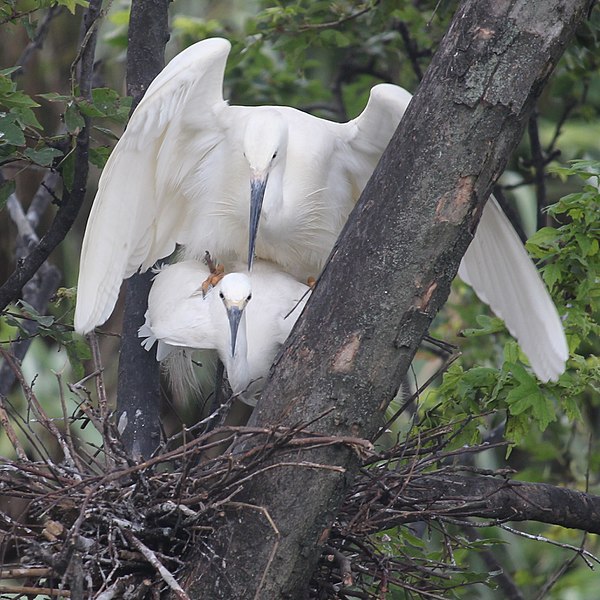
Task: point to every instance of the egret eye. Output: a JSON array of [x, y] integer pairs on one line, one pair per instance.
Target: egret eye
[[249, 298], [274, 155], [221, 296]]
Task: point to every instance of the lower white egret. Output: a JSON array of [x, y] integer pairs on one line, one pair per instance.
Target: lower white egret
[[245, 317], [191, 169]]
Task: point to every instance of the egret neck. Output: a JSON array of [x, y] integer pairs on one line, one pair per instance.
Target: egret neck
[[265, 146]]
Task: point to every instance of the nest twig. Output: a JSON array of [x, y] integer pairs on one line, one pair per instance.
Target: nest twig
[[95, 525]]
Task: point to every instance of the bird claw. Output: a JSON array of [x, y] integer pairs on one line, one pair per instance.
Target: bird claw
[[212, 280], [217, 272]]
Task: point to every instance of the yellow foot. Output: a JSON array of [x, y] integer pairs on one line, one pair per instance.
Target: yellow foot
[[311, 282]]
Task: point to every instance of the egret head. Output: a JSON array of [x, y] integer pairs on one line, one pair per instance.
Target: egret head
[[264, 145], [235, 293]]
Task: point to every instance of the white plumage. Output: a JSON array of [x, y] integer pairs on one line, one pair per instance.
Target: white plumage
[[182, 172], [190, 169], [263, 306]]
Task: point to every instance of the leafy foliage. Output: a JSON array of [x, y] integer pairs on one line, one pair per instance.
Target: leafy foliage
[[571, 269]]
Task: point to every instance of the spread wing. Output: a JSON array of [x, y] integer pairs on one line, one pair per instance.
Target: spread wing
[[500, 271], [496, 264], [372, 131], [139, 213]]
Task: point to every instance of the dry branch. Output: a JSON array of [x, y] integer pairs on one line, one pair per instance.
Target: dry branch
[[135, 526]]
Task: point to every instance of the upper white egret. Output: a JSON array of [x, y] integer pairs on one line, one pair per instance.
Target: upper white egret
[[245, 317], [191, 169]]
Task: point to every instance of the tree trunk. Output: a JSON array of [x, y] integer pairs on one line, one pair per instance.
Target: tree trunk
[[138, 393], [386, 280]]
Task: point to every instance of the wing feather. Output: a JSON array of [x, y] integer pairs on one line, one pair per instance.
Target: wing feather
[[496, 264], [372, 130], [139, 214], [498, 268]]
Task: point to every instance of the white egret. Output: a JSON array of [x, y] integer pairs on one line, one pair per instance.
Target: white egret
[[245, 318], [190, 169]]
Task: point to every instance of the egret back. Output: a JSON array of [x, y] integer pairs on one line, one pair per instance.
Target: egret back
[[179, 316]]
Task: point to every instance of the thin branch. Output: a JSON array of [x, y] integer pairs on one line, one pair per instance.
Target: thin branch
[[506, 583], [35, 591], [10, 432], [411, 49], [587, 556], [42, 198], [151, 557], [24, 572], [553, 580], [538, 164], [72, 199], [66, 422], [39, 411], [267, 516], [92, 338], [38, 38], [334, 24]]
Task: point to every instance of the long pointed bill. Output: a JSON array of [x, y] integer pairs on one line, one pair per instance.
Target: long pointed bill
[[257, 194], [234, 314]]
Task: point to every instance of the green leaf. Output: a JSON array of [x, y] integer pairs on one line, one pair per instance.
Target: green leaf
[[10, 132], [585, 243], [99, 156], [88, 109], [335, 38], [8, 71], [545, 236], [71, 5], [18, 99], [54, 97], [105, 99], [44, 156], [26, 117], [73, 119], [489, 325], [107, 132], [511, 352], [30, 26], [552, 273], [106, 103], [527, 396], [78, 351], [67, 170]]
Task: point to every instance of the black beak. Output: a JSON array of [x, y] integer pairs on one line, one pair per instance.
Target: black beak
[[234, 314], [257, 194]]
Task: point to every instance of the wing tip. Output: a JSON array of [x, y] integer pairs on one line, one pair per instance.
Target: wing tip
[[548, 358]]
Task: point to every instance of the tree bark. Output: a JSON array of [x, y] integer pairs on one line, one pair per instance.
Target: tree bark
[[386, 280], [138, 391]]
